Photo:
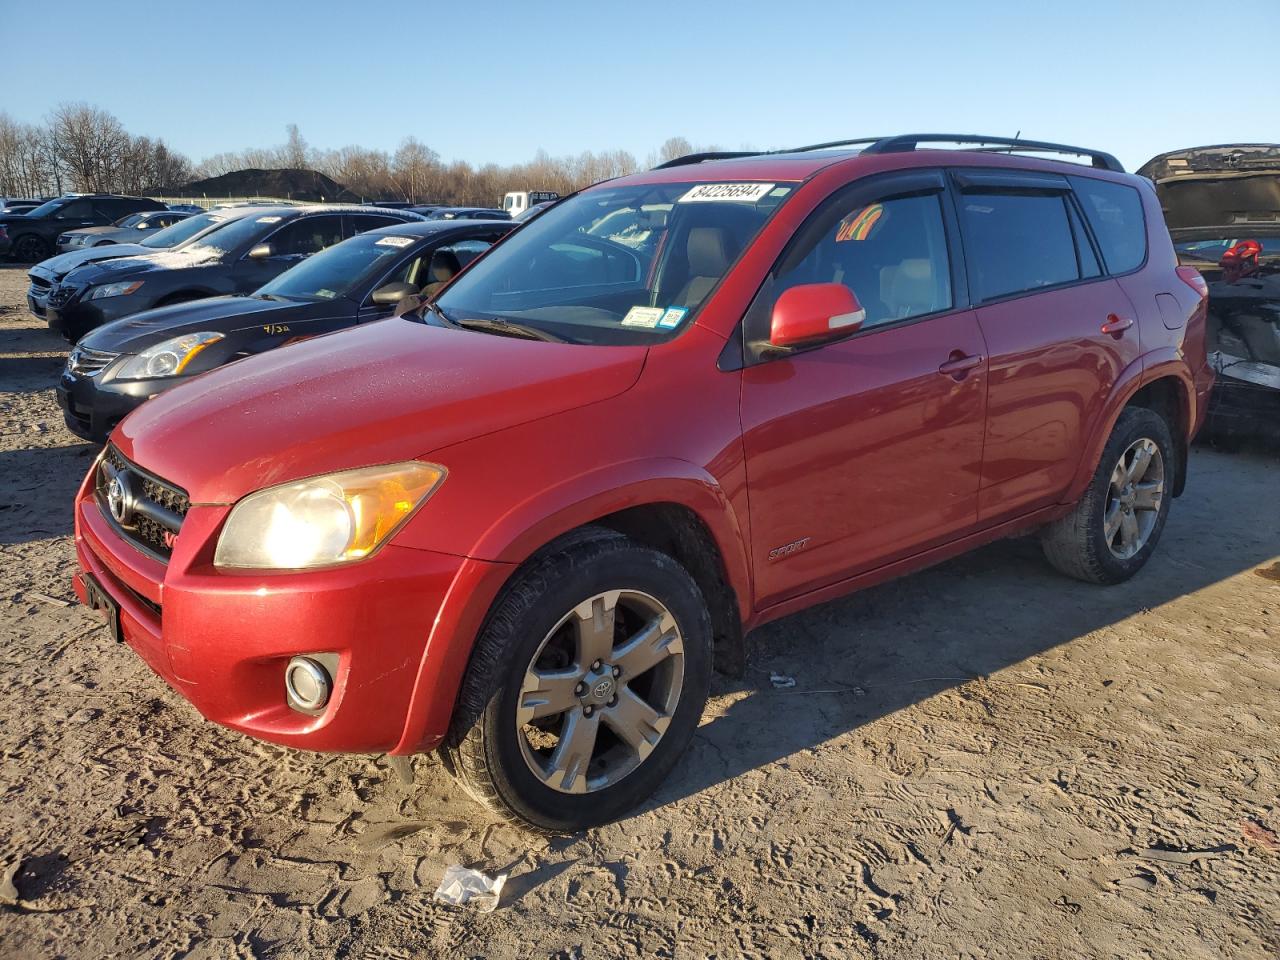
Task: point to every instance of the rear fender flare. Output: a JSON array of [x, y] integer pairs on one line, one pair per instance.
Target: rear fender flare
[[1159, 364]]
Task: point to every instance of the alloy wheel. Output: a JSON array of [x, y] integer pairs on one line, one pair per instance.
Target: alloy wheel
[[600, 691], [1134, 497], [29, 250]]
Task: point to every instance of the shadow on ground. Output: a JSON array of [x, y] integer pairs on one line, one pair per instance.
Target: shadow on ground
[[881, 650]]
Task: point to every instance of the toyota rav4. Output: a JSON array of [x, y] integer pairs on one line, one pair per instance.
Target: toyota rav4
[[521, 525]]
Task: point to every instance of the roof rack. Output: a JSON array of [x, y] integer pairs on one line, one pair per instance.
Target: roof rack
[[711, 155], [909, 142], [906, 143]]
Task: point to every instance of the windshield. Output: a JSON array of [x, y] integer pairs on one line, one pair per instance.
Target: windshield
[[183, 231], [45, 209], [617, 265], [339, 270], [236, 233], [128, 221]]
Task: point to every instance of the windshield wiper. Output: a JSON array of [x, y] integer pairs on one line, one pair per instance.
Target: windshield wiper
[[509, 328], [444, 318], [492, 325]]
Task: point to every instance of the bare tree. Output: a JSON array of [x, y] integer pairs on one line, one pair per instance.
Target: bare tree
[[294, 154], [413, 169]]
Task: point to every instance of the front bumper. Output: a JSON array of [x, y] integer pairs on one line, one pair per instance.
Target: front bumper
[[92, 408], [401, 623], [73, 316]]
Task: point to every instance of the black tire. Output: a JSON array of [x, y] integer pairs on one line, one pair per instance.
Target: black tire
[[1077, 544], [104, 243], [30, 248], [484, 747]]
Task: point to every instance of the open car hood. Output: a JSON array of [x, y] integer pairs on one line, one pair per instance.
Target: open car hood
[[1232, 189]]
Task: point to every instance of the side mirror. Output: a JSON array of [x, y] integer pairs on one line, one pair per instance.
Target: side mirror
[[814, 313], [392, 293], [260, 252]]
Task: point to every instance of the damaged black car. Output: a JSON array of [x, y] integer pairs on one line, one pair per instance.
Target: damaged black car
[[1222, 205]]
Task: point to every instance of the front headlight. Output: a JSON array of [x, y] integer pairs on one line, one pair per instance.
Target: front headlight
[[168, 358], [324, 520], [121, 289]]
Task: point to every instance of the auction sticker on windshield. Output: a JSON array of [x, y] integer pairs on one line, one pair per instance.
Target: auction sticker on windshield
[[720, 192], [394, 242], [643, 316], [268, 220], [671, 317]]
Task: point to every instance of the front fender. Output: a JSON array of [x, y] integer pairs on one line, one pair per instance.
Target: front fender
[[1156, 365], [530, 524], [549, 513]]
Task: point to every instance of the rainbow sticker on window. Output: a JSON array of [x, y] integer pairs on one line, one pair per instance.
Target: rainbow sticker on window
[[859, 224]]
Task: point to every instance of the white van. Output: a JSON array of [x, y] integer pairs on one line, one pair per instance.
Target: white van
[[519, 201]]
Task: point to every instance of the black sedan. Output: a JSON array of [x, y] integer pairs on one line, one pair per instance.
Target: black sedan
[[129, 229], [47, 275], [117, 367], [238, 258]]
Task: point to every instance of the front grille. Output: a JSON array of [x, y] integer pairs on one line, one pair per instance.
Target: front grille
[[86, 362], [61, 296], [40, 284], [144, 509]]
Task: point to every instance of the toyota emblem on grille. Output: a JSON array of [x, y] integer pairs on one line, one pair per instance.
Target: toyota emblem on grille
[[116, 498], [119, 496]]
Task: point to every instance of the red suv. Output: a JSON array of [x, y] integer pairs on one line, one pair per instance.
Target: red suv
[[520, 525]]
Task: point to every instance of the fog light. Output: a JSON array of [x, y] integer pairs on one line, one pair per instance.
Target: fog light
[[307, 684]]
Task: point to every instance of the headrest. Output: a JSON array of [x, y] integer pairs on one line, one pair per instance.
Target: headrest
[[913, 286], [708, 256], [444, 266]]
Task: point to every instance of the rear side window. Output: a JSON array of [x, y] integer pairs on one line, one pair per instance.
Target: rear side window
[[306, 236], [1115, 214], [360, 222], [1017, 242]]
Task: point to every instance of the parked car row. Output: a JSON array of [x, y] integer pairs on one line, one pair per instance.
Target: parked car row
[[519, 522], [130, 228], [117, 366], [246, 247], [33, 235]]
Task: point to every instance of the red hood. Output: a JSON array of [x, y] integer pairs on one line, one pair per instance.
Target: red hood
[[392, 390]]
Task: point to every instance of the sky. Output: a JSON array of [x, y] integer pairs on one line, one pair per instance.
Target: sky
[[497, 81]]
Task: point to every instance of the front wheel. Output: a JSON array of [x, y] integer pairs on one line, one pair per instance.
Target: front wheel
[[1113, 530], [585, 686], [30, 249]]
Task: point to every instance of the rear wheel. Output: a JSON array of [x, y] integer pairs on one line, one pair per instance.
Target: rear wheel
[[1111, 532], [30, 248], [585, 686]]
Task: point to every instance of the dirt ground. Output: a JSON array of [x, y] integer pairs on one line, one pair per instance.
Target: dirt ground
[[983, 760]]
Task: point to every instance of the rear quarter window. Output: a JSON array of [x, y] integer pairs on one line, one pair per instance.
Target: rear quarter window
[[1114, 212]]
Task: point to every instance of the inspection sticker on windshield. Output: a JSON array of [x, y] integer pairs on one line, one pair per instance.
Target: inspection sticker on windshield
[[720, 192], [268, 220], [671, 317], [394, 242], [643, 317]]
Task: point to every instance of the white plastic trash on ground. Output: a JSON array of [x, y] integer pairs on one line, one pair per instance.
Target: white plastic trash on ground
[[461, 885]]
